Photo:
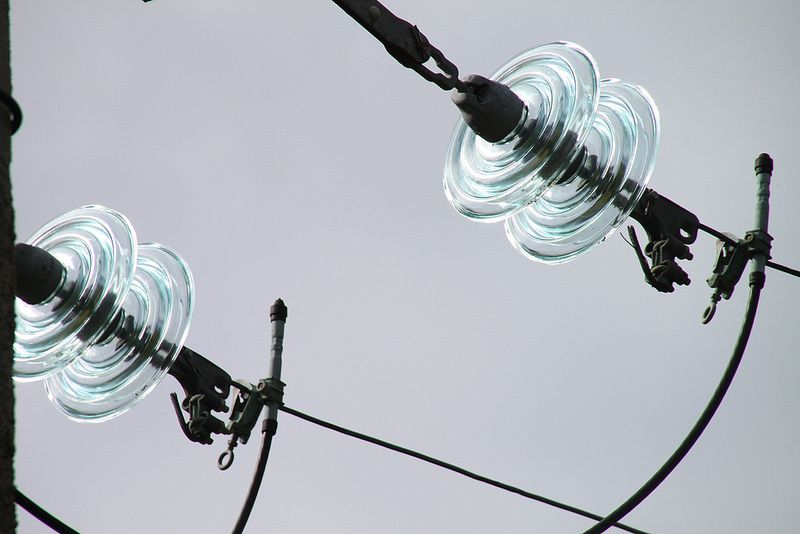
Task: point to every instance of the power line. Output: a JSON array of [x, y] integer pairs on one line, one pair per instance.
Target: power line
[[697, 429], [41, 514], [757, 280], [270, 426], [451, 467]]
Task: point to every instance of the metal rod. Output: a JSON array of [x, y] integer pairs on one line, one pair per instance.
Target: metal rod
[[277, 315], [763, 169]]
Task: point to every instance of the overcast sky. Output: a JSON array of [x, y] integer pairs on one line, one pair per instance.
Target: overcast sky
[[282, 152]]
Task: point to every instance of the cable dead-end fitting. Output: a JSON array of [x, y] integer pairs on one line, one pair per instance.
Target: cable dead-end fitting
[[492, 109], [39, 273]]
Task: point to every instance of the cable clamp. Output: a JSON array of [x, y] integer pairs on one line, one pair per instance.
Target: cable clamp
[[758, 242], [271, 390], [731, 261]]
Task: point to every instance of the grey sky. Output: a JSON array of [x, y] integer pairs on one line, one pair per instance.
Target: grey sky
[[282, 152]]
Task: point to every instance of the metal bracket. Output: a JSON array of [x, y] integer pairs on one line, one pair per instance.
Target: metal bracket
[[670, 229], [201, 423], [244, 416], [245, 412], [732, 258], [206, 387], [271, 390]]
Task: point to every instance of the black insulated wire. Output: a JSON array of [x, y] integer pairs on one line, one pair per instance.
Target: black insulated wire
[[270, 427], [41, 514], [451, 467], [756, 284], [783, 268]]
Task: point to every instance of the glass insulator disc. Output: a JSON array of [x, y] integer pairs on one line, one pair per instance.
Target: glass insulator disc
[[580, 211], [558, 84], [118, 371], [97, 246]]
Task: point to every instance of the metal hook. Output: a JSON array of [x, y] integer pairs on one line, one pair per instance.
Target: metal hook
[[225, 460], [709, 312], [648, 273], [181, 419]]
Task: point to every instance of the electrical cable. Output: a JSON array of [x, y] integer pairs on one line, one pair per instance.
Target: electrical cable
[[716, 233], [41, 514], [783, 268], [756, 284], [270, 426], [450, 467]]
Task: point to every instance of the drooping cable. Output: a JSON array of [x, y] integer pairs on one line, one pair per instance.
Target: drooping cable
[[258, 475], [450, 467], [756, 284], [41, 514], [759, 247]]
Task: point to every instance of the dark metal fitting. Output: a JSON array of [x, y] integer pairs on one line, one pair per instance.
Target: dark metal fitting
[[278, 311], [763, 164], [403, 41], [14, 109], [757, 279], [198, 375], [39, 273], [269, 426], [731, 261], [244, 415], [670, 230], [201, 423], [271, 390], [728, 268], [758, 242], [709, 312], [492, 110]]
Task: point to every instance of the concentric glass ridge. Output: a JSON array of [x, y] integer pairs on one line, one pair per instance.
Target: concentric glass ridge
[[116, 324], [573, 170]]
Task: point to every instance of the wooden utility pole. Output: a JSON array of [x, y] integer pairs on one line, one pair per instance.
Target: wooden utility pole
[[8, 520]]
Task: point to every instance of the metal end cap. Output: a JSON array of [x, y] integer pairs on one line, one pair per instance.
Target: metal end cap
[[763, 163], [278, 311], [39, 273], [492, 109]]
